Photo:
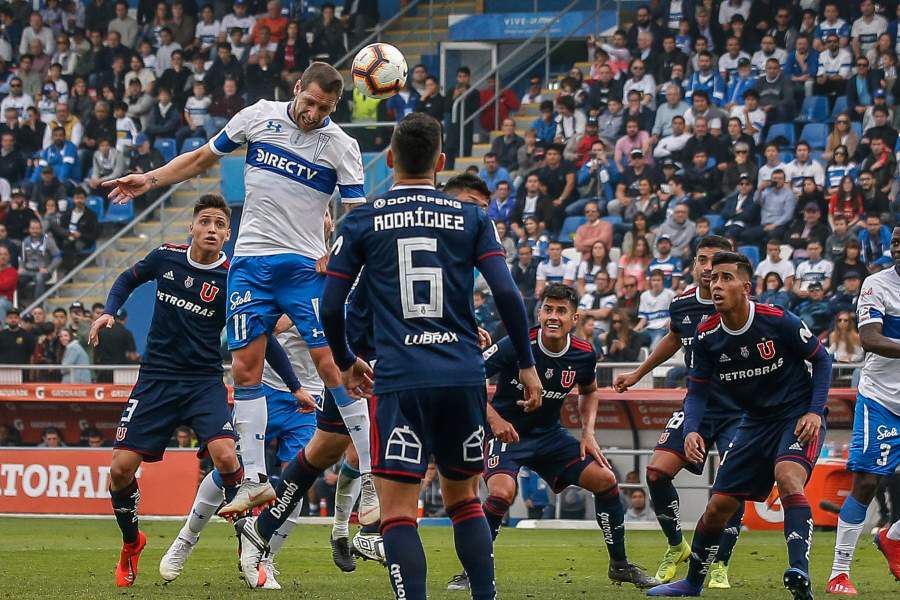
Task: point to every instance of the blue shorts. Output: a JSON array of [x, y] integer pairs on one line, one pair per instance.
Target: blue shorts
[[554, 455], [875, 445], [291, 428], [748, 466], [262, 288], [409, 426], [328, 417], [157, 407], [718, 430]]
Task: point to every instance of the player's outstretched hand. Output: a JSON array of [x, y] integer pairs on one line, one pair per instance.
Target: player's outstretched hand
[[358, 379], [807, 428], [534, 391], [101, 321], [589, 446], [128, 187], [625, 381], [503, 430], [305, 401], [484, 339], [694, 448]]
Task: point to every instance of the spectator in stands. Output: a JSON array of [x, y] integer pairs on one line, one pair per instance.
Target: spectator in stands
[[664, 262], [82, 229], [552, 270], [679, 229], [100, 126], [558, 177], [594, 230], [634, 265], [835, 67], [30, 135], [773, 291], [506, 146], [534, 95], [841, 135], [9, 280], [622, 344], [124, 25], [225, 105], [638, 509], [51, 438], [39, 259], [861, 88], [866, 28], [9, 436], [17, 98], [706, 78], [72, 125], [492, 173], [673, 107], [139, 71], [646, 202], [803, 167], [728, 62], [47, 188], [264, 43], [847, 294], [11, 246], [776, 96], [501, 206], [809, 227], [634, 108], [196, 115], [837, 240], [639, 229], [164, 117], [532, 202], [524, 272], [635, 141], [815, 311], [740, 210], [881, 163], [116, 346], [74, 354], [843, 343], [108, 163], [508, 102], [328, 35], [641, 81], [609, 123], [847, 201], [814, 269], [880, 101], [671, 146], [593, 178], [875, 239], [36, 31], [777, 203], [16, 344], [224, 66]]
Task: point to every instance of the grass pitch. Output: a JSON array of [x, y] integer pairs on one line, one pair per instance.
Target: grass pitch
[[71, 558]]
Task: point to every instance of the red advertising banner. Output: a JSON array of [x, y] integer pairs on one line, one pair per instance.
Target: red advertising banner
[[76, 482], [82, 393]]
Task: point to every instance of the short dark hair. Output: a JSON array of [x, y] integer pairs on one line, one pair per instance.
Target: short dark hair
[[657, 273], [733, 258], [416, 143], [464, 69], [716, 241], [325, 76], [97, 305], [873, 215], [490, 155], [212, 201], [700, 93], [560, 291], [465, 181], [546, 105], [567, 102]]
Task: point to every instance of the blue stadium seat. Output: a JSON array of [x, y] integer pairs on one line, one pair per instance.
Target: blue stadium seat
[[897, 145], [192, 143], [814, 110], [751, 252], [231, 173], [95, 203], [815, 134], [613, 219], [785, 130], [567, 234], [166, 147], [715, 221], [785, 155], [816, 155], [840, 106], [119, 213]]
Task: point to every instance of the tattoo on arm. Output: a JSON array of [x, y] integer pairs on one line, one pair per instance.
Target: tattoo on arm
[[154, 181]]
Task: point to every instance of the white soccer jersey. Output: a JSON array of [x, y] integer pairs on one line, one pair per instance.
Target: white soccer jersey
[[298, 353], [289, 177], [867, 33], [547, 271], [231, 20], [655, 309], [808, 272], [208, 34], [879, 302]]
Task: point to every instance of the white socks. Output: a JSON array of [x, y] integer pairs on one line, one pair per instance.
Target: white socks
[[345, 494], [892, 534], [250, 420], [281, 534], [209, 497], [845, 546], [356, 418]]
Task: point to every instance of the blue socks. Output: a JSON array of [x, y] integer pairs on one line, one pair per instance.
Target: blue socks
[[665, 502], [611, 518], [405, 558], [798, 528], [853, 511], [474, 547], [730, 535], [704, 549], [296, 479], [495, 509]]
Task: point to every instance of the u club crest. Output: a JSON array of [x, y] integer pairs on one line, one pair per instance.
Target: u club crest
[[208, 292]]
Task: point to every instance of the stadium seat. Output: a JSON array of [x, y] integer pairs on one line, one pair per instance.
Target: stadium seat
[[786, 156], [897, 145], [119, 213], [815, 134], [856, 126], [231, 171], [613, 219], [785, 130], [814, 110], [840, 106], [95, 203], [751, 252], [715, 221], [191, 144], [166, 147], [567, 234]]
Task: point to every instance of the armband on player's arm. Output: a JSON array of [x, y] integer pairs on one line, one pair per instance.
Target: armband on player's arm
[[281, 364], [337, 288], [509, 305], [821, 379], [695, 403]]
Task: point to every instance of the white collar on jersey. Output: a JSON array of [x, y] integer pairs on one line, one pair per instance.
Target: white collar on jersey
[[746, 325], [222, 258], [700, 299], [553, 354], [412, 187]]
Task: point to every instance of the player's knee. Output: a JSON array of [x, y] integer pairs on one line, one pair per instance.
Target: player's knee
[[864, 487], [719, 510], [504, 490], [121, 474], [655, 477]]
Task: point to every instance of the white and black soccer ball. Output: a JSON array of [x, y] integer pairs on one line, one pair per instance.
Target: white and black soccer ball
[[369, 547], [379, 71]]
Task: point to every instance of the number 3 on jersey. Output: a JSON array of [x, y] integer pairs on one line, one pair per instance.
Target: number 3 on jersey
[[410, 276]]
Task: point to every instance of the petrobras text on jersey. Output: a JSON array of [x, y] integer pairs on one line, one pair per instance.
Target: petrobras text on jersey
[[418, 218], [549, 394], [748, 373], [187, 305]]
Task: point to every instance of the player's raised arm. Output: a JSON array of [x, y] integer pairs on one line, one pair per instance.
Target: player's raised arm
[[128, 280], [182, 168], [665, 349]]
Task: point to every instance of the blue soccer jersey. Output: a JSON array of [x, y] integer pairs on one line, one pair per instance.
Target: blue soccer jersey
[[189, 314], [360, 333], [420, 248], [560, 372], [762, 366]]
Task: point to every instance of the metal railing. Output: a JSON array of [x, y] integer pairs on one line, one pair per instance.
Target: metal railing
[[377, 33], [100, 253]]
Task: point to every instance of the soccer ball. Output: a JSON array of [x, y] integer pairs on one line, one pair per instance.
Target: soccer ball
[[379, 71]]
